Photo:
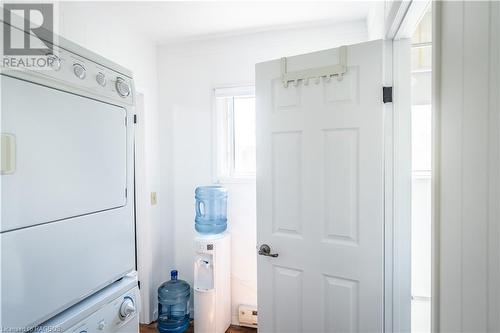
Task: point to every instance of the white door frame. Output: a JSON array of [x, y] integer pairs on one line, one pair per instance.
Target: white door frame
[[143, 228], [398, 191], [402, 20]]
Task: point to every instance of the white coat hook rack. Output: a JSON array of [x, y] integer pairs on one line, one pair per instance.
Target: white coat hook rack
[[305, 75]]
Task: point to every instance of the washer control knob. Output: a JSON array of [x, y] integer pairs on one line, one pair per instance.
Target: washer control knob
[[101, 325], [79, 71], [101, 79], [122, 87], [54, 62], [127, 308]]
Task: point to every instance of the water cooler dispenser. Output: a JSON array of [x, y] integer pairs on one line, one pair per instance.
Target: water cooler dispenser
[[212, 262]]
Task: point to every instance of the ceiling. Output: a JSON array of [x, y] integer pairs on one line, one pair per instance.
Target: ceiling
[[168, 22]]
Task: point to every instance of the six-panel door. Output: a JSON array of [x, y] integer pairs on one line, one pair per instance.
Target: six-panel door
[[320, 195]]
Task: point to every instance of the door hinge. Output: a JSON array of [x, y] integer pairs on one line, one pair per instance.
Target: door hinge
[[139, 284], [387, 94], [135, 119]]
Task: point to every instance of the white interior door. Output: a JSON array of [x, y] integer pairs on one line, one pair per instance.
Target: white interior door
[[320, 194]]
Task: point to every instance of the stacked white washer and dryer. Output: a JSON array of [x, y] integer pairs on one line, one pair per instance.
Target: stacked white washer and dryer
[[67, 231]]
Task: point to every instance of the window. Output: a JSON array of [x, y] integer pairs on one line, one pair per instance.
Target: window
[[235, 134], [421, 118]]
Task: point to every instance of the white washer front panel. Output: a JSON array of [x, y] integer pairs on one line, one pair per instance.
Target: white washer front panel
[[70, 152], [101, 312], [107, 319], [48, 268]]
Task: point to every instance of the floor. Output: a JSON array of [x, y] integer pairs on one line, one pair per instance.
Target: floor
[[151, 328]]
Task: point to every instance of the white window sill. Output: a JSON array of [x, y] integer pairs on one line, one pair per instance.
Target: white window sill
[[235, 180]]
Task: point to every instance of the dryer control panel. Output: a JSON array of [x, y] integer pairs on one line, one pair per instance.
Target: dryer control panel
[[77, 70], [69, 70]]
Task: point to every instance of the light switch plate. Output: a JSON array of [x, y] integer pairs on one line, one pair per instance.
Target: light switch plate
[[154, 199]]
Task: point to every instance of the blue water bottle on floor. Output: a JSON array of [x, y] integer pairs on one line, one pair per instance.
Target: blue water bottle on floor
[[173, 305]]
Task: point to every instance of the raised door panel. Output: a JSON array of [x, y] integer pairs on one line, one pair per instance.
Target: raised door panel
[[341, 184], [287, 182], [288, 298]]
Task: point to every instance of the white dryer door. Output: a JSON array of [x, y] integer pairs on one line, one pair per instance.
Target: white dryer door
[[67, 155]]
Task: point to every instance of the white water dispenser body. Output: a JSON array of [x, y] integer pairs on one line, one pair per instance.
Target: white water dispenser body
[[212, 283]]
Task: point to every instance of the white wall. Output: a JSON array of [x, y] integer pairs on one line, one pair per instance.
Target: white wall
[[83, 23], [467, 169], [188, 74]]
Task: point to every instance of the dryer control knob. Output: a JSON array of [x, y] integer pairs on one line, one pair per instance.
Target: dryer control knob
[[101, 325], [79, 71], [101, 79], [127, 308], [54, 61], [122, 87]]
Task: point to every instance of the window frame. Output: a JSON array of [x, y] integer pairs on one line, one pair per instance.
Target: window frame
[[223, 170]]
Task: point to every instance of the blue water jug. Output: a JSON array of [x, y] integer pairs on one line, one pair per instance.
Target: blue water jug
[[173, 305], [211, 209]]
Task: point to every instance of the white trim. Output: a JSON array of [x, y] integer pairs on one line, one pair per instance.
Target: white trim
[[402, 20], [388, 195], [436, 168], [421, 174], [414, 14], [244, 90], [143, 228], [397, 134], [421, 45], [395, 18], [235, 180], [402, 185], [494, 170]]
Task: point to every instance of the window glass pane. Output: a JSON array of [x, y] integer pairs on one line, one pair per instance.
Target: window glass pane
[[421, 84], [421, 58], [421, 227], [421, 195], [421, 137], [244, 136], [223, 106], [421, 238], [423, 34]]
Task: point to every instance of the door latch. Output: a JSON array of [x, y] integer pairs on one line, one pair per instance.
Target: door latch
[[265, 250]]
